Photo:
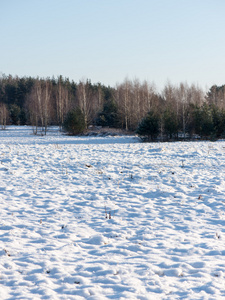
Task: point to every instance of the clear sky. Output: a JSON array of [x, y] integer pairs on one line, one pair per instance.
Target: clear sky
[[108, 40]]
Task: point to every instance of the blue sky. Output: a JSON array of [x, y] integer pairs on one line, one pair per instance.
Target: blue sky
[[108, 40]]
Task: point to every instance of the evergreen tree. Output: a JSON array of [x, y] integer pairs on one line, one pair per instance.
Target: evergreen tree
[[109, 115], [170, 123], [203, 119], [15, 112], [149, 126], [74, 122]]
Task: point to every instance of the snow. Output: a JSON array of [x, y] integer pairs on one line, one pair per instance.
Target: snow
[[164, 234]]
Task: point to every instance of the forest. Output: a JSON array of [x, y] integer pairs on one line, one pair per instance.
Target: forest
[[178, 112]]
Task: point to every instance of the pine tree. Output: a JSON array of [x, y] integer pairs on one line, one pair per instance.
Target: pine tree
[[109, 115], [170, 123], [149, 127], [74, 122]]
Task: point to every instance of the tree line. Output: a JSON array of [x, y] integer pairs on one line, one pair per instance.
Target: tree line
[[177, 111]]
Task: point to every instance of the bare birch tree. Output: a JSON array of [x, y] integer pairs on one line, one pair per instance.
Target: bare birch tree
[[47, 105], [136, 110], [39, 105], [3, 115], [62, 101], [123, 99], [32, 107], [89, 100]]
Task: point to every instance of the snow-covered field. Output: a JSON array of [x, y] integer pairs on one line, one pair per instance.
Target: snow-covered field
[[164, 235]]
